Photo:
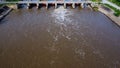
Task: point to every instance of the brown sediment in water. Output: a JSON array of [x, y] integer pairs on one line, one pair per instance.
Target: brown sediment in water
[[59, 38]]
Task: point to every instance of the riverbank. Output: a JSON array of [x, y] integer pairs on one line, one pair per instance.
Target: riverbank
[[110, 15], [4, 11]]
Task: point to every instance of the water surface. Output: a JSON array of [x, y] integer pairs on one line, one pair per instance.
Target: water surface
[[59, 38]]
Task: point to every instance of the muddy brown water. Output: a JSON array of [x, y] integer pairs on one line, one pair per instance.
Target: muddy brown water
[[59, 38]]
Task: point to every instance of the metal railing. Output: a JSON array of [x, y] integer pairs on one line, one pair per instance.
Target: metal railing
[[55, 1]]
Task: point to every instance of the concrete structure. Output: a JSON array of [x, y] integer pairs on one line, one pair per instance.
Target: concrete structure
[[73, 2]]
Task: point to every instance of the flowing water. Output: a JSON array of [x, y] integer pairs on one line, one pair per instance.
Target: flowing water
[[59, 38]]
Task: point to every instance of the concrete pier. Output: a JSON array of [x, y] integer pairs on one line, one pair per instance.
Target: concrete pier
[[37, 5], [73, 5], [28, 5], [46, 5], [64, 5], [55, 5], [82, 5]]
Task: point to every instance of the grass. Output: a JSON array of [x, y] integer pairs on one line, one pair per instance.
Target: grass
[[116, 11], [117, 2], [96, 0], [1, 5], [95, 8]]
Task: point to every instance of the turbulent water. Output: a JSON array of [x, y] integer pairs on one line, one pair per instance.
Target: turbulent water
[[59, 38]]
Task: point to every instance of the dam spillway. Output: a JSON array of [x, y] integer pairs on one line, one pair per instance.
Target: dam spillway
[[38, 3]]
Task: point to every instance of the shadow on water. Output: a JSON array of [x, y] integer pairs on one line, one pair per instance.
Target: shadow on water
[[41, 6], [69, 6], [113, 22], [51, 6], [32, 5]]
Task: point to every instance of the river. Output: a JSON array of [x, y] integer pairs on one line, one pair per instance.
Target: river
[[59, 38]]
